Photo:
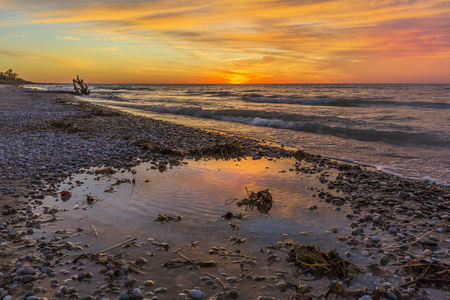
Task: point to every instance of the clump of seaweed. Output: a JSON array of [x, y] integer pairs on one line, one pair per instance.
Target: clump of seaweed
[[165, 218], [262, 200], [156, 147], [227, 150], [302, 155], [66, 126], [90, 200], [313, 260]]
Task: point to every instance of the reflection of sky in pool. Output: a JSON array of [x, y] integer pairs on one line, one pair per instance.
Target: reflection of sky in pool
[[198, 192]]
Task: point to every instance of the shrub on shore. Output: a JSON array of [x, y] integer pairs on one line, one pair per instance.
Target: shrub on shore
[[10, 77]]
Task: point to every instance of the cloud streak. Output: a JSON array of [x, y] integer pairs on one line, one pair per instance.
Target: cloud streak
[[264, 40]]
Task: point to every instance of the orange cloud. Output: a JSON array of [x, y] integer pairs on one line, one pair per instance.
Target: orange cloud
[[251, 41]]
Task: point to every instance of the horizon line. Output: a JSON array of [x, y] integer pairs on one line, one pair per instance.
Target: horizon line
[[309, 83]]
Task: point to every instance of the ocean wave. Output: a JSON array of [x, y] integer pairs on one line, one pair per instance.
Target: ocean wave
[[342, 102], [311, 124], [108, 96]]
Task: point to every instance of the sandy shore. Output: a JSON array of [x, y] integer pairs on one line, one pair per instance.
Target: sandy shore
[[398, 234]]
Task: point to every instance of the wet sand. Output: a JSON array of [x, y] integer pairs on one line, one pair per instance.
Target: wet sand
[[52, 144]]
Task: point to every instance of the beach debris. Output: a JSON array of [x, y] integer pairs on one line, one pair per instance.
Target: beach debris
[[156, 147], [235, 256], [120, 244], [312, 259], [122, 180], [110, 190], [226, 151], [302, 155], [90, 200], [236, 240], [195, 244], [229, 215], [83, 89], [338, 289], [166, 218], [426, 273], [165, 246], [178, 263], [104, 171], [262, 200], [93, 231], [65, 195]]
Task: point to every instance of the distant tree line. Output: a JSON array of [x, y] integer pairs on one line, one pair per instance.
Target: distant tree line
[[11, 77]]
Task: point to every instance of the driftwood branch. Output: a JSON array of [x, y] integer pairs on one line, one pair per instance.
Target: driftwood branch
[[83, 89]]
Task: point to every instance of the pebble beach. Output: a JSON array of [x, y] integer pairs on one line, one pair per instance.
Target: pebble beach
[[395, 232]]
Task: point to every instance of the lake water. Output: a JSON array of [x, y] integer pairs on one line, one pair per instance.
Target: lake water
[[401, 129]]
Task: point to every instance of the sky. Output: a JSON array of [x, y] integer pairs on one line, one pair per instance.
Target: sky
[[227, 41]]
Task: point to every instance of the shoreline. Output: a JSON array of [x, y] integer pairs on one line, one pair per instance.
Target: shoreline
[[47, 138]]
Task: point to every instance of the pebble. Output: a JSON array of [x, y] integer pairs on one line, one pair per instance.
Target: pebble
[[384, 260], [429, 243], [303, 288], [282, 286], [196, 294], [160, 290], [392, 230], [141, 261], [149, 283], [401, 235], [233, 294], [357, 231], [27, 278], [391, 295], [427, 252], [440, 230], [123, 296], [58, 294], [137, 293]]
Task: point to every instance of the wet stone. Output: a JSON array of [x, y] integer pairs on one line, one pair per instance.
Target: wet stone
[[392, 230], [196, 294], [357, 231], [141, 261], [429, 243], [148, 283], [282, 286], [27, 278], [160, 290], [384, 260], [137, 293], [233, 294], [391, 295]]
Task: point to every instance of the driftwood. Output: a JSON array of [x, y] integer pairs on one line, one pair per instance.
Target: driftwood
[[83, 89]]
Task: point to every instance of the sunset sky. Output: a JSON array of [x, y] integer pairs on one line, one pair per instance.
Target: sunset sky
[[227, 41]]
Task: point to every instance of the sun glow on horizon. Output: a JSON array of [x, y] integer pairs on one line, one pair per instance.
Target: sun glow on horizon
[[235, 42]]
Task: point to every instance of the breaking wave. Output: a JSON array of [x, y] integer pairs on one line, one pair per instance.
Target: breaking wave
[[335, 126], [342, 102]]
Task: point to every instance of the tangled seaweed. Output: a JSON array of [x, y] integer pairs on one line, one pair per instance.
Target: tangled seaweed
[[261, 200], [320, 264], [166, 218], [428, 274]]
